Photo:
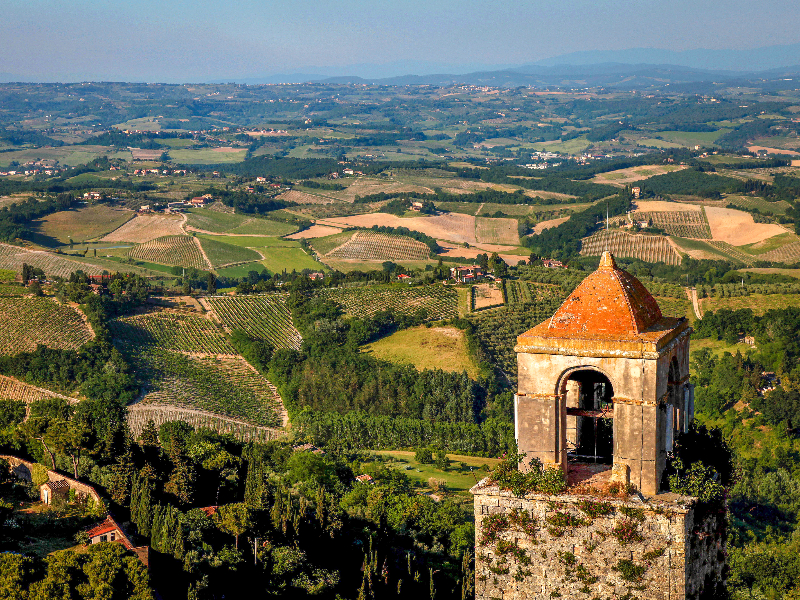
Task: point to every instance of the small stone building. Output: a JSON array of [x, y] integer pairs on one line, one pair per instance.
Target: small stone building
[[603, 391], [50, 491]]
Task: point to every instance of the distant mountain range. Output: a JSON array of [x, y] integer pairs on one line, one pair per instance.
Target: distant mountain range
[[634, 68]]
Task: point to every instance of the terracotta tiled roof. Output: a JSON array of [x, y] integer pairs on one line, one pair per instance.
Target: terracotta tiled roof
[[106, 526], [609, 302], [58, 484]]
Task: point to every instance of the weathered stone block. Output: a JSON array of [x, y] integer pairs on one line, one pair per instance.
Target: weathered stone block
[[572, 558]]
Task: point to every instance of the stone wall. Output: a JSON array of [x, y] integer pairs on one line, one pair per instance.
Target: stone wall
[[22, 470], [586, 547]]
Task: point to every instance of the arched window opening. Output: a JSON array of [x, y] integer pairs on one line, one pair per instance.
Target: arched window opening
[[590, 410]]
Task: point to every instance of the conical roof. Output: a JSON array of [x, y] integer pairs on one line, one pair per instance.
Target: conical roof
[[609, 302]]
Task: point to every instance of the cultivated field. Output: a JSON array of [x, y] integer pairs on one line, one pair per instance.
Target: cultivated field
[[28, 322], [426, 348], [789, 253], [304, 198], [496, 231], [144, 228], [519, 291], [372, 246], [13, 389], [324, 244], [79, 225], [733, 252], [140, 414], [683, 223], [186, 360], [737, 227], [540, 227], [662, 206], [201, 219], [750, 202], [220, 254], [13, 257], [650, 248], [222, 385], [173, 331], [175, 250], [758, 303], [315, 231], [451, 226], [261, 316], [485, 295], [622, 177], [437, 301]]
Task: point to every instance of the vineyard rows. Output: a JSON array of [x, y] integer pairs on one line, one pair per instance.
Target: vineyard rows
[[518, 291], [790, 253], [28, 322], [649, 248], [368, 245], [263, 317], [12, 257], [734, 253], [438, 301], [13, 389], [171, 331], [221, 385], [497, 330], [176, 250], [686, 224], [140, 414], [728, 290]]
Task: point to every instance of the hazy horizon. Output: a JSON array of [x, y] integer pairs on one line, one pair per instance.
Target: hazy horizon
[[182, 41]]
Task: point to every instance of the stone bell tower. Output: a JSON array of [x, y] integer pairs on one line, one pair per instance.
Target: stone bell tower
[[603, 391], [606, 356]]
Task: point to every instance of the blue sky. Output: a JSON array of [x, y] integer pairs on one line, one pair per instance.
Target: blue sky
[[179, 40]]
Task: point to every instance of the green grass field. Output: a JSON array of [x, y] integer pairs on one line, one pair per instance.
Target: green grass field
[[279, 254], [749, 202], [790, 272], [323, 245], [218, 222], [692, 138], [220, 253], [426, 348], [458, 479]]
